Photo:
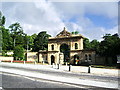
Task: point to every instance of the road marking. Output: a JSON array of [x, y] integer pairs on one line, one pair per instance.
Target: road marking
[[1, 88], [63, 79], [43, 80]]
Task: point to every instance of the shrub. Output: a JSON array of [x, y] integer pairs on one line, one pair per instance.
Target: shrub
[[18, 52]]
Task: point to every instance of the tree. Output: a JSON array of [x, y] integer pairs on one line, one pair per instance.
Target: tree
[[16, 32], [2, 19], [18, 53], [41, 41], [6, 39], [75, 32], [31, 40], [110, 46], [86, 43], [94, 45], [4, 35]]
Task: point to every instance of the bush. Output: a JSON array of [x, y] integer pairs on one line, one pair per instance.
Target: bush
[[18, 52]]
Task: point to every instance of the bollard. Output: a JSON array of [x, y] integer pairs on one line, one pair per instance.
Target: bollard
[[66, 63], [11, 61], [58, 66], [24, 62], [70, 67], [53, 65], [89, 69], [42, 62], [35, 62]]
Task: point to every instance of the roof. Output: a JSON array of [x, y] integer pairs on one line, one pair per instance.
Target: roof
[[64, 33]]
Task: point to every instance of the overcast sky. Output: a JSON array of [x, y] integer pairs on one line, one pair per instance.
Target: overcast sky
[[91, 19]]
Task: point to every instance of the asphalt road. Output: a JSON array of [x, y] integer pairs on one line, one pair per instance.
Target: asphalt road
[[16, 81], [12, 81], [69, 74]]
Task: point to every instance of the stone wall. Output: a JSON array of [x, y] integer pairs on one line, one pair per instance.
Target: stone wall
[[2, 58], [102, 60], [32, 56]]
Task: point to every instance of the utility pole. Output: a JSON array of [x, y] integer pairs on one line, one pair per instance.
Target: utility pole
[[0, 41], [27, 49]]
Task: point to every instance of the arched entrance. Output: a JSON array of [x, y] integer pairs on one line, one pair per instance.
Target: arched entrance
[[52, 59], [65, 49], [76, 58]]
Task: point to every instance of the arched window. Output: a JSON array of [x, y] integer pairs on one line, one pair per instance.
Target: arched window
[[85, 56], [90, 57], [76, 46], [52, 47]]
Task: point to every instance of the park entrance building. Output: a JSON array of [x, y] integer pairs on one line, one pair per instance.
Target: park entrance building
[[66, 47]]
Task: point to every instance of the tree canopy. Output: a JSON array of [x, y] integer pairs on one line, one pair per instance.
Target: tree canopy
[[41, 41]]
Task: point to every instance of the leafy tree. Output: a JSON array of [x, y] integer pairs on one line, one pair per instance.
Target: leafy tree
[[31, 40], [75, 32], [6, 39], [41, 41], [94, 45], [2, 19], [16, 32], [86, 43], [109, 47], [18, 52]]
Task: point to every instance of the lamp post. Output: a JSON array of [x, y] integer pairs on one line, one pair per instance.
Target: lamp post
[[0, 41], [27, 48]]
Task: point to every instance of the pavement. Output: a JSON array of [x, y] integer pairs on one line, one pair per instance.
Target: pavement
[[74, 69], [113, 73]]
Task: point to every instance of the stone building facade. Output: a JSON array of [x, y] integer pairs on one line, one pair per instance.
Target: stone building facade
[[75, 44]]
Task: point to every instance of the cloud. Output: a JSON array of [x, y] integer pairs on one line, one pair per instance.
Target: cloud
[[53, 16], [35, 17]]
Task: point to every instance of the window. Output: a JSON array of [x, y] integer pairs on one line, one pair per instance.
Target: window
[[85, 56], [76, 46], [89, 57], [52, 47]]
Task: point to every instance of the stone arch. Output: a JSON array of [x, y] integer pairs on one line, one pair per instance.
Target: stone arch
[[52, 59], [64, 37], [65, 49], [76, 57]]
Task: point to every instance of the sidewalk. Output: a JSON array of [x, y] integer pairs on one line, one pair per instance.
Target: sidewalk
[[96, 71], [74, 69]]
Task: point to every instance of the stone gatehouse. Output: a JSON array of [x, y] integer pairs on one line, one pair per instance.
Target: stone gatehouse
[[66, 47]]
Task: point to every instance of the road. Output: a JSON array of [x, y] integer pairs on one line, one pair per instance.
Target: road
[[16, 81], [9, 79], [69, 74]]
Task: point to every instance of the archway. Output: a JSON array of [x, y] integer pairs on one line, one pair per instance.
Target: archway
[[76, 57], [65, 49], [52, 59]]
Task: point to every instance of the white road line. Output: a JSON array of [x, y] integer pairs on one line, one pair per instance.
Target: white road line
[[63, 79]]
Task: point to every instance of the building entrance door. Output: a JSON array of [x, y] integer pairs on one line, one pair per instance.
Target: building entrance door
[[52, 59]]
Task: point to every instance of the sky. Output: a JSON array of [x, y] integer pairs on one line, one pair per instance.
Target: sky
[[91, 19]]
